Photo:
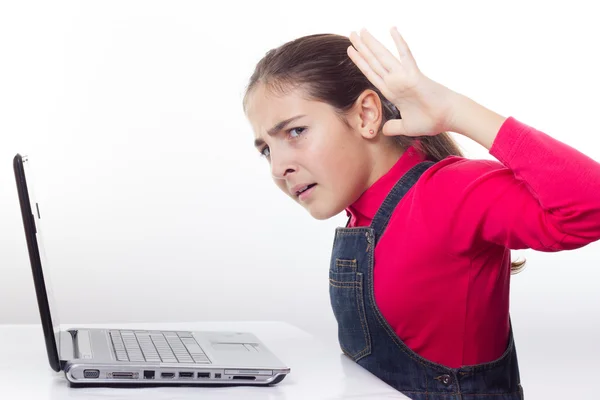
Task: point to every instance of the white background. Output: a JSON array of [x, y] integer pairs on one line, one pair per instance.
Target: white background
[[155, 205]]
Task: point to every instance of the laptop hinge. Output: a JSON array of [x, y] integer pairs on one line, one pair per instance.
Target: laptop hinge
[[66, 347]]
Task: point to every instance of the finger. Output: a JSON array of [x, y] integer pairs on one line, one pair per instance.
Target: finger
[[394, 127], [403, 50], [366, 69], [382, 54], [367, 55]]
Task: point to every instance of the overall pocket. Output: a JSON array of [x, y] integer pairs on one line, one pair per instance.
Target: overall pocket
[[347, 302]]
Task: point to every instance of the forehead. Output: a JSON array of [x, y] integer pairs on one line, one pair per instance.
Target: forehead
[[266, 108]]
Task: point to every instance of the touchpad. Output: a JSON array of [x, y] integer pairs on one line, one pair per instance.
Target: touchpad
[[229, 346], [245, 347]]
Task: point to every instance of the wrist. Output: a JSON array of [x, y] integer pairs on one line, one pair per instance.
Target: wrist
[[474, 121]]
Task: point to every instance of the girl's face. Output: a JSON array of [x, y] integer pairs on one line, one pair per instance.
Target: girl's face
[[314, 157]]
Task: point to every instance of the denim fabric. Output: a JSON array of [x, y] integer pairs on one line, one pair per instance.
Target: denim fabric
[[367, 338]]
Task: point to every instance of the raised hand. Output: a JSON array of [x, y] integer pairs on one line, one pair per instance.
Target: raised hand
[[425, 105]]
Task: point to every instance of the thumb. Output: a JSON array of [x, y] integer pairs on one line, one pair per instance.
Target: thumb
[[394, 127]]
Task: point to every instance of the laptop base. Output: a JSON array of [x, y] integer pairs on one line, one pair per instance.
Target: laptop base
[[133, 385]]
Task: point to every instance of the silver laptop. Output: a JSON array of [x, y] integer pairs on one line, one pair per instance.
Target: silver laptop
[[124, 357]]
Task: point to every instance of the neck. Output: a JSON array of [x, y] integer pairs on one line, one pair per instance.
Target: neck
[[382, 161]]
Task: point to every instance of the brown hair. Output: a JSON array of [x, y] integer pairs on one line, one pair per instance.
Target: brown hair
[[320, 64]]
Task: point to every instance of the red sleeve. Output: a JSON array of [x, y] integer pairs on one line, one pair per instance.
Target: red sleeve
[[543, 194]]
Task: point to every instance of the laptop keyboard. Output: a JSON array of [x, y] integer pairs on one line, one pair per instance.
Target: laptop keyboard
[[156, 346]]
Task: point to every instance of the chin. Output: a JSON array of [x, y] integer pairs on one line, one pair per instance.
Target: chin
[[322, 213], [320, 216]]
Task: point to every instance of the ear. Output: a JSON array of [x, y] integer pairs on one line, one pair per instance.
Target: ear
[[368, 114]]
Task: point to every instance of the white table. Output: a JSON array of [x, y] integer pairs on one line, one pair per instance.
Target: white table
[[318, 371]]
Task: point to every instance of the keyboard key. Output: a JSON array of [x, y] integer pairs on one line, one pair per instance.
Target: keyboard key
[[193, 349], [156, 346]]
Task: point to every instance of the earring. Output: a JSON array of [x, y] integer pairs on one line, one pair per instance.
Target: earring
[[371, 131]]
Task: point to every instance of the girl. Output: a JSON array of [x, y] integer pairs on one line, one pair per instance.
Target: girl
[[419, 277]]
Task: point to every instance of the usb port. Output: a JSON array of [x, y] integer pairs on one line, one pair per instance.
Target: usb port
[[203, 374], [186, 374]]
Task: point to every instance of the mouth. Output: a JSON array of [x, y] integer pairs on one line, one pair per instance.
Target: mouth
[[304, 189]]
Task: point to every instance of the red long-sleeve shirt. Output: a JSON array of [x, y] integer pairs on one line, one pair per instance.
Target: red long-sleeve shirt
[[442, 267]]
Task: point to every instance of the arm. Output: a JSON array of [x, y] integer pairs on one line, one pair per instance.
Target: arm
[[474, 121], [543, 194]]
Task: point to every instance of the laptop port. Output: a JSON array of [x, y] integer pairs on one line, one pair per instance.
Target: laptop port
[[124, 375], [203, 374], [91, 373], [245, 377], [148, 374], [186, 374], [167, 374], [218, 376]]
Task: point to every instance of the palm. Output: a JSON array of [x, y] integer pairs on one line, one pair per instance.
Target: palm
[[423, 103]]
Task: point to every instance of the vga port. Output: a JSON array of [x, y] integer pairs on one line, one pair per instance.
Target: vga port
[[91, 373]]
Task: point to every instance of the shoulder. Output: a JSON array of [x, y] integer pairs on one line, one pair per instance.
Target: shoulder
[[454, 197], [454, 172]]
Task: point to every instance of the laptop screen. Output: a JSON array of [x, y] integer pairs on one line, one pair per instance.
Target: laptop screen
[[32, 223]]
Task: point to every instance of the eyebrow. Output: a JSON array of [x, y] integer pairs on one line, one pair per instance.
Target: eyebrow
[[278, 127]]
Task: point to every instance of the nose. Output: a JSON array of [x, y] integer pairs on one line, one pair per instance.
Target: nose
[[281, 167]]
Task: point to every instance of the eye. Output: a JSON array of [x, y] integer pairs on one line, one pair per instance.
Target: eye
[[265, 152], [299, 131], [293, 133]]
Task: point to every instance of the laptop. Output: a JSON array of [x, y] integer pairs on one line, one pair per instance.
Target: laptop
[[125, 357]]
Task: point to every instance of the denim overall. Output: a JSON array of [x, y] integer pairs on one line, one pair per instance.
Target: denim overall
[[367, 338]]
